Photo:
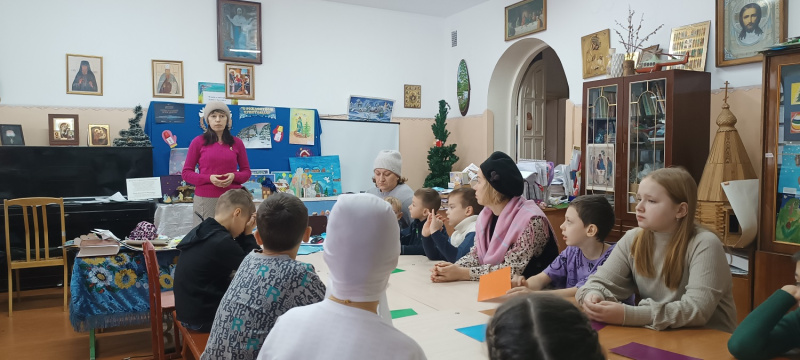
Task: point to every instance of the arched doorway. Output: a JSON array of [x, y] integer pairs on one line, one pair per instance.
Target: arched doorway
[[529, 79]]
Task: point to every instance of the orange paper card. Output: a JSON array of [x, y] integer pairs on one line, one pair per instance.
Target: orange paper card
[[494, 284]]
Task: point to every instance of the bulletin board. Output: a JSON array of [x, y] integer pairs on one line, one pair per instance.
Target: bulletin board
[[291, 132]]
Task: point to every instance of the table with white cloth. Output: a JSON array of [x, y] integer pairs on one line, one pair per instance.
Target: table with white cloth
[[443, 307], [175, 220]]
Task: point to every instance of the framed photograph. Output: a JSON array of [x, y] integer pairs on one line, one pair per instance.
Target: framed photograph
[[240, 82], [594, 49], [413, 96], [84, 75], [745, 27], [167, 78], [63, 129], [239, 31], [99, 135], [525, 17], [692, 39], [599, 161], [369, 109], [11, 135]]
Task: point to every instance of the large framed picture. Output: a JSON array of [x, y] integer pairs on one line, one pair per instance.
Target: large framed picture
[[98, 135], [11, 135], [239, 31], [594, 49], [525, 17], [745, 27], [84, 75], [239, 83], [167, 78], [63, 129]]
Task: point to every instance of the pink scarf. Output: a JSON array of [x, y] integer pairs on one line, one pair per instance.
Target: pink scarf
[[513, 220]]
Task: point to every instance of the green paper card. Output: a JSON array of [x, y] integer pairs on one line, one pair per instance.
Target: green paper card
[[397, 271], [396, 314]]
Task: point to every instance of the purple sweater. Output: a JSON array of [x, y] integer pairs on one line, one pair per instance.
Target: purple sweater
[[215, 159]]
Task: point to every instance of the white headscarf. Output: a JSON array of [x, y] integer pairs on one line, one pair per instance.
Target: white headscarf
[[361, 249]]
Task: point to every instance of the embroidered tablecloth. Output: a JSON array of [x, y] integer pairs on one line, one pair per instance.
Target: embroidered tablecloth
[[110, 291]]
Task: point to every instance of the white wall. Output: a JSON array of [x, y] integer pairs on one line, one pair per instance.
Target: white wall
[[316, 53], [481, 41]]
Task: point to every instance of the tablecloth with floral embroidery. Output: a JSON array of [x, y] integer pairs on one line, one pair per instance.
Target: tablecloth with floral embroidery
[[108, 291]]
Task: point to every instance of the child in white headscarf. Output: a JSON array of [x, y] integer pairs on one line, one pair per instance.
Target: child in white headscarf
[[361, 251]]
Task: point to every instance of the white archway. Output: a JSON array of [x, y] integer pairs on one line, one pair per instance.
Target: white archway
[[505, 82]]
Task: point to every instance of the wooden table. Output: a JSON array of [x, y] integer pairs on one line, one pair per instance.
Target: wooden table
[[444, 307]]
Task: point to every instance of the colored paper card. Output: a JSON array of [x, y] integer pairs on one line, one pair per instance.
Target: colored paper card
[[596, 325], [494, 284], [477, 332], [489, 312], [396, 314], [643, 352], [397, 271], [308, 249]]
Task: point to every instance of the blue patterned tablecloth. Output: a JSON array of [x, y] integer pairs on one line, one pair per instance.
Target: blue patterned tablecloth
[[112, 291]]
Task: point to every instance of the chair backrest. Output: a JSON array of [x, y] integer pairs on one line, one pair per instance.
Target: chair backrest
[[318, 223], [41, 236], [154, 286]]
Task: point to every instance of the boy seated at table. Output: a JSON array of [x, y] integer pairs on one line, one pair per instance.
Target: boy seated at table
[[462, 212], [210, 253], [397, 207], [769, 330], [587, 222], [268, 282], [426, 201]]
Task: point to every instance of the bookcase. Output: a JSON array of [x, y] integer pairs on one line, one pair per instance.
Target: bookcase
[[779, 223], [636, 124]]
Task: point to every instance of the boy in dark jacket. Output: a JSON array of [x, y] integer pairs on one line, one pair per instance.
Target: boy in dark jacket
[[210, 254], [462, 213], [426, 201]]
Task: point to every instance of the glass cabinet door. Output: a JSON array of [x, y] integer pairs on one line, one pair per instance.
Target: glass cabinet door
[[787, 205], [601, 139], [646, 129]]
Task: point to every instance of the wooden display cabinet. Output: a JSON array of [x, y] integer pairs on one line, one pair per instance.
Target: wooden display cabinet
[[642, 123], [779, 225]]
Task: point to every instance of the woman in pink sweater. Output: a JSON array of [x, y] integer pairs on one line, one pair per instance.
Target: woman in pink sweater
[[220, 158]]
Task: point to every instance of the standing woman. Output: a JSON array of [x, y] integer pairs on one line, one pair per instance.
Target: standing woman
[[389, 181], [510, 231], [222, 160]]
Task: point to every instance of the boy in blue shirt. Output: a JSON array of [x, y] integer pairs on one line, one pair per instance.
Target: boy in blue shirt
[[462, 212], [426, 201]]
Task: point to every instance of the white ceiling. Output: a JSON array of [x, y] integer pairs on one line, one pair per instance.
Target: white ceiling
[[440, 8]]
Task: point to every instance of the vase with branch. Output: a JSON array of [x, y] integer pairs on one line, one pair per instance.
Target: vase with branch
[[632, 41]]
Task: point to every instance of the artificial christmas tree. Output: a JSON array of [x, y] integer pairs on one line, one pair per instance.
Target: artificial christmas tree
[[134, 135], [441, 157]]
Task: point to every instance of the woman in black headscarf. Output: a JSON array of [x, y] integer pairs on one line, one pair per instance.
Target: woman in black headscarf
[[84, 79]]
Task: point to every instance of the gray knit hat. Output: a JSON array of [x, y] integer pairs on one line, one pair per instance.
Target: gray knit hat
[[389, 160], [217, 105]]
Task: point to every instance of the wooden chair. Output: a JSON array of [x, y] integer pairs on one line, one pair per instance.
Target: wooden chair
[[159, 303], [194, 342], [37, 205]]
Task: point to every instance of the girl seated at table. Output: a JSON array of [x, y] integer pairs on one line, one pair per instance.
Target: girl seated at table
[[678, 267], [510, 231], [541, 326]]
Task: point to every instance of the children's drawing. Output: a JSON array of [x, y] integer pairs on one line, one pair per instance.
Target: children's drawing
[[254, 184], [370, 109], [322, 175], [256, 136], [301, 127]]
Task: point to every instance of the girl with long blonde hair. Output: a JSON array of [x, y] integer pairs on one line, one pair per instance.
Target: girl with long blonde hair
[[678, 267]]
